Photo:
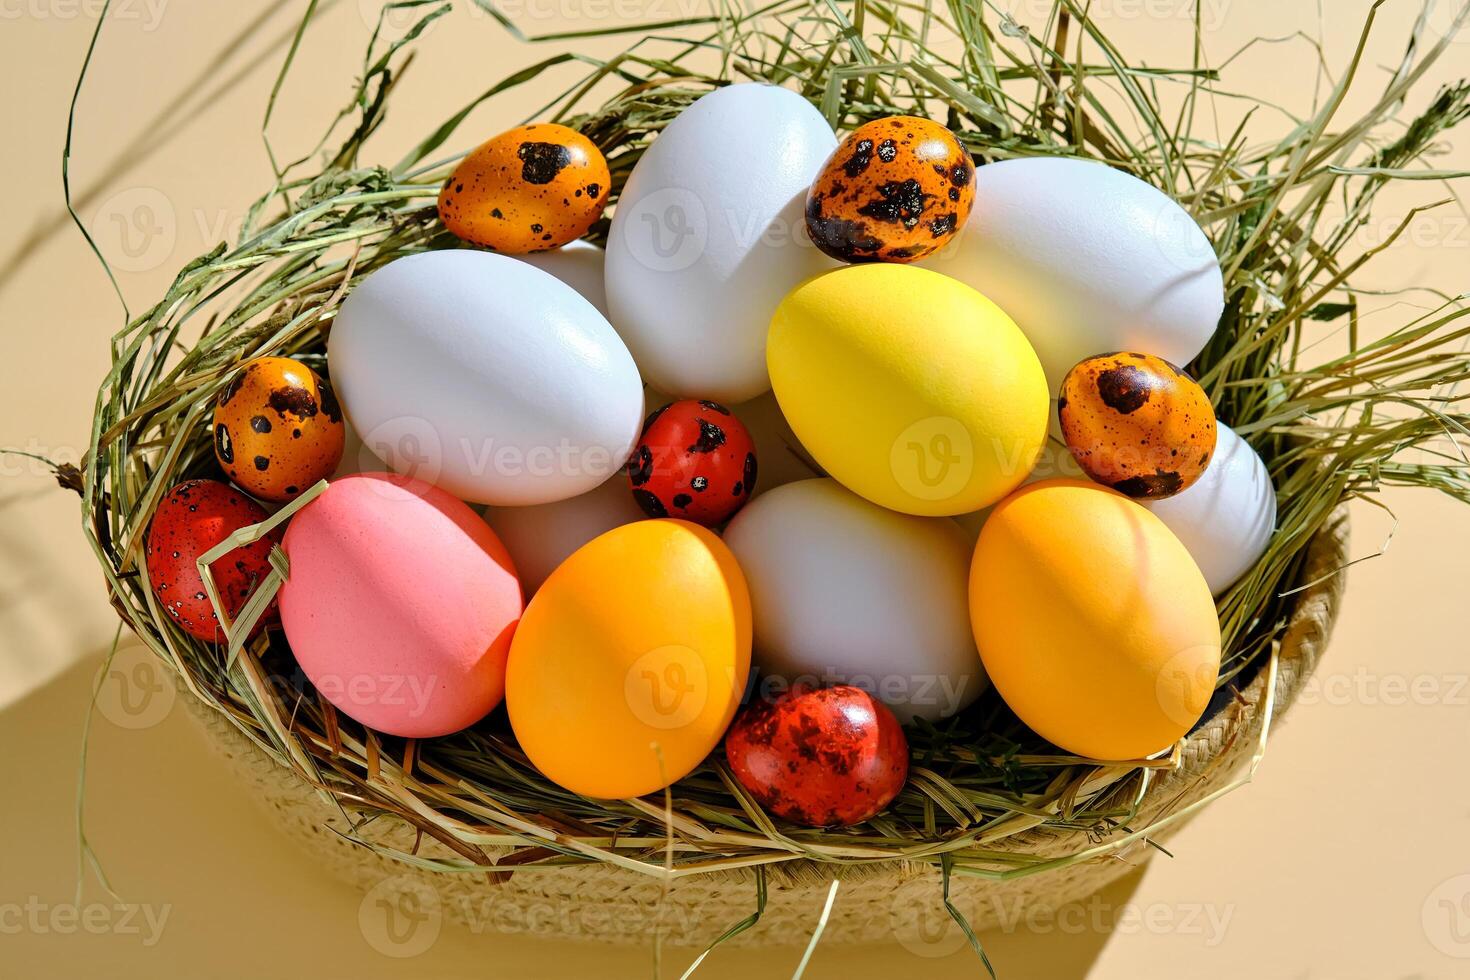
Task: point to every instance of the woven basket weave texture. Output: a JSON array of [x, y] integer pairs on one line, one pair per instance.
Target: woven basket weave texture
[[875, 902]]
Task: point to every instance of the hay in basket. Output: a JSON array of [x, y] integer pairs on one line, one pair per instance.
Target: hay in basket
[[991, 813]]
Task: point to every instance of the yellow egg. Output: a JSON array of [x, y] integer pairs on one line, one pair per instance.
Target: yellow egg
[[630, 661], [1094, 623], [908, 387]]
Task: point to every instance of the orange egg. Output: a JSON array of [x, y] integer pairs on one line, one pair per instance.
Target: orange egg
[[631, 659], [895, 190], [533, 188], [277, 428], [1093, 621], [1137, 423]]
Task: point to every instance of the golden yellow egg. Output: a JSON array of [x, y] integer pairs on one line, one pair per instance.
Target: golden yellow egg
[[629, 663], [908, 387], [1094, 624]]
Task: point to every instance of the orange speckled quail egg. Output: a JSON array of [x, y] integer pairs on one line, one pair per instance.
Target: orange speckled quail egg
[[277, 428], [896, 190], [530, 189], [1137, 423]]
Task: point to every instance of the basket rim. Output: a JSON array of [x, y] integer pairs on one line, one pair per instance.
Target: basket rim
[[150, 430], [1218, 756]]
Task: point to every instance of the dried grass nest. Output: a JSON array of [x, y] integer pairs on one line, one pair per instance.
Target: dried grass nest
[[1337, 412]]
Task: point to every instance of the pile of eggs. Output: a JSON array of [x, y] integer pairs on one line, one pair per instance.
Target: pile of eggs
[[802, 415]]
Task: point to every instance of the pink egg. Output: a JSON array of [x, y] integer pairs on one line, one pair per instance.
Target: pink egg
[[400, 605]]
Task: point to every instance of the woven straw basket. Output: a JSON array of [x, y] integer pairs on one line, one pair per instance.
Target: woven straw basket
[[875, 902]]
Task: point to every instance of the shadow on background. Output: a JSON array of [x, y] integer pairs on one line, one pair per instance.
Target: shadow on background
[[197, 868]]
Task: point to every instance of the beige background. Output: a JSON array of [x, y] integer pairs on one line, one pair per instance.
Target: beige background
[[1348, 857]]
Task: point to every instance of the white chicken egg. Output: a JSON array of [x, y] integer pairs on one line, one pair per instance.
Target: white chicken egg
[[781, 456], [709, 234], [485, 376], [542, 536], [1087, 260], [1226, 518], [844, 591], [579, 265]]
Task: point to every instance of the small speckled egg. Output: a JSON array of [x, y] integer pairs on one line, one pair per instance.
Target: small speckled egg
[[531, 189], [193, 517], [277, 428], [895, 190], [819, 757], [1137, 423], [695, 461]]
